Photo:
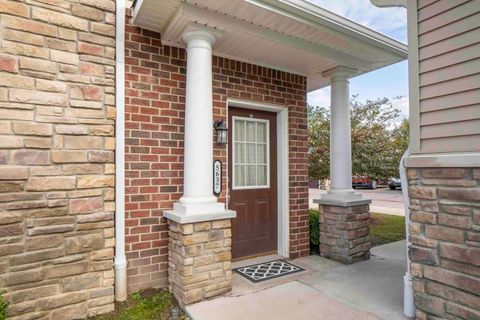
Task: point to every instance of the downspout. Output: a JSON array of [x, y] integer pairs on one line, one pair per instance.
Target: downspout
[[408, 305], [120, 264]]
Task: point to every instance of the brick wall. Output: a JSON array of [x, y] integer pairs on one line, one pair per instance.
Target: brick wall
[[445, 236], [56, 157], [155, 97]]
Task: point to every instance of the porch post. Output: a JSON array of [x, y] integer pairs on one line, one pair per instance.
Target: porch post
[[340, 137], [198, 164], [344, 213], [199, 250]]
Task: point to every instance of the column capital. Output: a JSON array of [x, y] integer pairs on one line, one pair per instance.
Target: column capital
[[339, 73], [195, 31]]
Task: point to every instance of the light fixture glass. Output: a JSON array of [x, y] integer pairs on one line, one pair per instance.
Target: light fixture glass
[[222, 131]]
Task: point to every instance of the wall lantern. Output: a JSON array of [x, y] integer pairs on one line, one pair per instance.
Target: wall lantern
[[222, 131]]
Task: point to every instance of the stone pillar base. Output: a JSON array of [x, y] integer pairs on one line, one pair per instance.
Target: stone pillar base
[[199, 260], [345, 231]]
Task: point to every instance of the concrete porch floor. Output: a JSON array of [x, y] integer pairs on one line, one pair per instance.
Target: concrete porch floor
[[326, 290]]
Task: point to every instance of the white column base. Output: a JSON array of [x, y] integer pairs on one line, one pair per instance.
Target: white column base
[[198, 208], [342, 197], [182, 217]]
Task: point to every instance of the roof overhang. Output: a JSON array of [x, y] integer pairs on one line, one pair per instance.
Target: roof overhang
[[289, 35]]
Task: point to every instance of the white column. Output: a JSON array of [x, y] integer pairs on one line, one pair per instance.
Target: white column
[[198, 197], [340, 137]]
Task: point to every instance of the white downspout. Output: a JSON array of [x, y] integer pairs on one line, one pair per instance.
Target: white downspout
[[120, 264], [408, 305]]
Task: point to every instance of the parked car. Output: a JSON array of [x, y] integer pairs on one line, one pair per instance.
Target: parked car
[[395, 183], [364, 182]]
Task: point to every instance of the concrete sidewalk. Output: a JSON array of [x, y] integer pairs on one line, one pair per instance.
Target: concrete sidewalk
[[326, 290]]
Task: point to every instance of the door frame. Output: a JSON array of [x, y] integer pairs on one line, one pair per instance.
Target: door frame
[[283, 231]]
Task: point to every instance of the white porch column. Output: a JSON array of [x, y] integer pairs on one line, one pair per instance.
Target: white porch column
[[198, 200], [349, 242], [340, 137]]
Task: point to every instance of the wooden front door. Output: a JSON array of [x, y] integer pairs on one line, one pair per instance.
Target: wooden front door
[[252, 154]]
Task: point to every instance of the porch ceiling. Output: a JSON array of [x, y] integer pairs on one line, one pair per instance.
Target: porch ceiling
[[289, 35]]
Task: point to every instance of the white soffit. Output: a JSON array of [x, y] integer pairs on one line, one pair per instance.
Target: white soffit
[[290, 35]]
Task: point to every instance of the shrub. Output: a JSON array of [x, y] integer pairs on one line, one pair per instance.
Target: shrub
[[314, 215], [3, 308]]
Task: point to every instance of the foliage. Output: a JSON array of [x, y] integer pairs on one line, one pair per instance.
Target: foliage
[[377, 142], [386, 228], [314, 216], [318, 142], [141, 306], [3, 308]]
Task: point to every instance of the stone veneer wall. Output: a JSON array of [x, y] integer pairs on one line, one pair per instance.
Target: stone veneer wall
[[56, 157], [345, 232], [155, 97], [200, 260], [445, 236]]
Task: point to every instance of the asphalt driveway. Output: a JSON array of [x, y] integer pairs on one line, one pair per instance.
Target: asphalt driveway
[[384, 200]]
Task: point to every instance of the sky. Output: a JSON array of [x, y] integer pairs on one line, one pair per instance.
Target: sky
[[391, 81]]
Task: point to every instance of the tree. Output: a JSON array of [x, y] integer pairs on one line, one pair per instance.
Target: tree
[[377, 141], [318, 142]]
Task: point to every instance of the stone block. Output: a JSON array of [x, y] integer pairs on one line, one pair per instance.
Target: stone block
[[199, 261], [77, 311], [59, 19], [87, 12], [8, 63], [38, 65], [420, 192], [96, 181], [63, 270], [83, 142], [14, 8], [71, 129], [31, 157], [13, 173], [100, 156], [344, 233], [10, 142], [43, 242], [61, 300], [84, 243], [38, 97], [86, 205], [69, 156], [444, 233], [81, 282], [51, 183]]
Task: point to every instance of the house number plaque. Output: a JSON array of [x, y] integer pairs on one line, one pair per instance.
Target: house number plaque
[[217, 177]]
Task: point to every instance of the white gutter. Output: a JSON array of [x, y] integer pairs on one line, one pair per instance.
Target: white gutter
[[408, 304], [120, 264]]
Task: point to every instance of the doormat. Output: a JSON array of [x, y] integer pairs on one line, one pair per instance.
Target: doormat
[[267, 270]]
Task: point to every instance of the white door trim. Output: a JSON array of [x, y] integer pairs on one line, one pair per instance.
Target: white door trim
[[283, 232]]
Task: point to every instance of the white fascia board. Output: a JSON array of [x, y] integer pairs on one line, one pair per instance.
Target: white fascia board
[[444, 160], [311, 14], [389, 3]]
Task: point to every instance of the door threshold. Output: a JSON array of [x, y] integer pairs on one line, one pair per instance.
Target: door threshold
[[253, 256], [255, 259]]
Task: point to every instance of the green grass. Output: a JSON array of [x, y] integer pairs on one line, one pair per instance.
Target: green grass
[[386, 228], [3, 309], [147, 305]]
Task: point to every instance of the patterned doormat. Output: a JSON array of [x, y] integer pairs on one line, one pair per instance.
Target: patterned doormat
[[267, 270]]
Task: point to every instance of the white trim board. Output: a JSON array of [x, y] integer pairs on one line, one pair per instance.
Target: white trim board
[[283, 231], [446, 160]]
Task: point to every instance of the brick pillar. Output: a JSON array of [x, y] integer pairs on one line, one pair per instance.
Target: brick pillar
[[199, 260], [344, 231]]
